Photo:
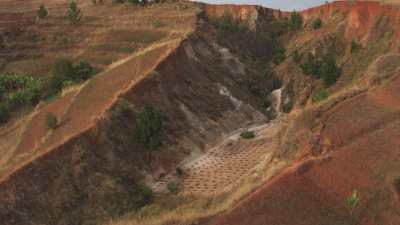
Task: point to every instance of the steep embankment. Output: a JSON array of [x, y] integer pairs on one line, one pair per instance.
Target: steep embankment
[[90, 167], [345, 144]]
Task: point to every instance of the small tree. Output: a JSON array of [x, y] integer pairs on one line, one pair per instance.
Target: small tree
[[51, 121], [352, 201], [61, 71], [312, 66], [330, 72], [317, 24], [74, 13], [42, 12], [83, 70], [148, 128]]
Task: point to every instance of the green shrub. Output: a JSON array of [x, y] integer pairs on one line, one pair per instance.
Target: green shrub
[[330, 72], [321, 95], [247, 135], [51, 121], [74, 13], [312, 65], [325, 68], [42, 12], [295, 21], [148, 128], [83, 71], [352, 201], [317, 24]]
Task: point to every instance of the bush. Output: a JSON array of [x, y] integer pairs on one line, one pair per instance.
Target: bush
[[74, 13], [320, 96], [247, 135], [42, 12], [148, 128], [64, 72], [312, 66], [317, 24], [83, 71], [295, 22], [352, 201], [325, 68], [330, 72], [51, 121]]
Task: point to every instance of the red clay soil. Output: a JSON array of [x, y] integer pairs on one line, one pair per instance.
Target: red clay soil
[[364, 156], [362, 15], [37, 129]]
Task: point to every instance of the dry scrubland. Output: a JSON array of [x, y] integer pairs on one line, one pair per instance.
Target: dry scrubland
[[301, 168]]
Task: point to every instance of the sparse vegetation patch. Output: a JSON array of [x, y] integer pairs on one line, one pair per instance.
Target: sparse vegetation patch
[[248, 135], [17, 91], [324, 68], [42, 12], [74, 13], [317, 24]]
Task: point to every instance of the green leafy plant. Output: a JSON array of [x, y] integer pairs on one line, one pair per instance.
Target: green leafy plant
[[353, 201], [83, 71], [248, 135], [74, 13], [312, 65], [148, 128], [317, 24], [322, 68], [42, 12], [51, 121]]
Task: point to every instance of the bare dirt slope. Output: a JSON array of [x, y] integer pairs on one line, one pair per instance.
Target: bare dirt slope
[[363, 156]]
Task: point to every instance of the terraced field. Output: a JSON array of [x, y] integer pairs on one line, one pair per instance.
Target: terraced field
[[219, 169]]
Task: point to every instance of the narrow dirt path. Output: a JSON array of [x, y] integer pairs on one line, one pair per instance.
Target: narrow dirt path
[[224, 165]]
